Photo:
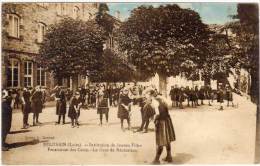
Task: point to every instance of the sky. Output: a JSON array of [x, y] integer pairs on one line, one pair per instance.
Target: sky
[[210, 13]]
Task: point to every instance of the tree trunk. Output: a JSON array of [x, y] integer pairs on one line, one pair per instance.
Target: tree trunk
[[207, 81], [254, 93], [163, 84], [59, 81], [257, 141], [75, 83], [68, 82]]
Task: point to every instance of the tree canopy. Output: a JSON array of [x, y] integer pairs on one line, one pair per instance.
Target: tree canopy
[[167, 39], [72, 47], [246, 43]]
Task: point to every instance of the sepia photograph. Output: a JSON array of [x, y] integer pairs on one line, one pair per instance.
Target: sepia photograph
[[144, 83]]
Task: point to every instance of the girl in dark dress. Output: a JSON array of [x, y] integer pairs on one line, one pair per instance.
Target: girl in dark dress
[[202, 94], [61, 105], [196, 95], [36, 105], [124, 108], [26, 107], [148, 113], [102, 106], [229, 96], [193, 97], [164, 130], [220, 97], [74, 110], [181, 97], [208, 94]]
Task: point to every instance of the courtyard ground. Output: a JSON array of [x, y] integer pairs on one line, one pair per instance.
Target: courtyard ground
[[204, 135]]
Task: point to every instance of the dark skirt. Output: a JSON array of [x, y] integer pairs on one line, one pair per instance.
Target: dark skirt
[[201, 96], [37, 106], [27, 108], [164, 131], [61, 108], [173, 97], [123, 113], [148, 111], [73, 114], [229, 97], [220, 98], [193, 97], [102, 110]]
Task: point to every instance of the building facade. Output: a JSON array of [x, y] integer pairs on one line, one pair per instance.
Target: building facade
[[23, 29]]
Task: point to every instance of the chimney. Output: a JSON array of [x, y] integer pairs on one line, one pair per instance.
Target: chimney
[[117, 14]]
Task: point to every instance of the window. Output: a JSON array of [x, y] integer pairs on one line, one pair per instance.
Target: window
[[95, 5], [41, 32], [75, 12], [41, 76], [61, 9], [44, 5], [13, 73], [14, 23], [28, 74]]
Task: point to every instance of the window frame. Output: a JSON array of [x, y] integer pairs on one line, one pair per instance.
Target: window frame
[[14, 31], [11, 67], [76, 13], [41, 32], [61, 9], [26, 75], [43, 5], [41, 71]]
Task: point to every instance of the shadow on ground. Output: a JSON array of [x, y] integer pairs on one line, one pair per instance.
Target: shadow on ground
[[19, 131], [25, 143], [182, 158], [137, 127]]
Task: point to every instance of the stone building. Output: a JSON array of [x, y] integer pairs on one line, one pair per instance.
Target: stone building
[[23, 28]]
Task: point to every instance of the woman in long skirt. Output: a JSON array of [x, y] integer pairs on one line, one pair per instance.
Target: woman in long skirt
[[164, 130], [36, 105], [61, 105], [26, 107], [124, 108]]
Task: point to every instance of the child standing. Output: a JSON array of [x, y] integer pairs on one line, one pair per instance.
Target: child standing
[[74, 110], [102, 106]]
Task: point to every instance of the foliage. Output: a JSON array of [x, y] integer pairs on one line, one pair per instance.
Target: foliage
[[113, 68], [105, 20], [218, 62], [72, 47], [246, 50], [168, 40]]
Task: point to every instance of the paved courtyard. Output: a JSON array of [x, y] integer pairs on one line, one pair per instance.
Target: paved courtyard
[[204, 136]]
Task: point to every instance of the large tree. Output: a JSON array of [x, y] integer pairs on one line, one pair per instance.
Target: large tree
[[246, 54], [246, 44], [167, 40], [72, 47], [217, 63]]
